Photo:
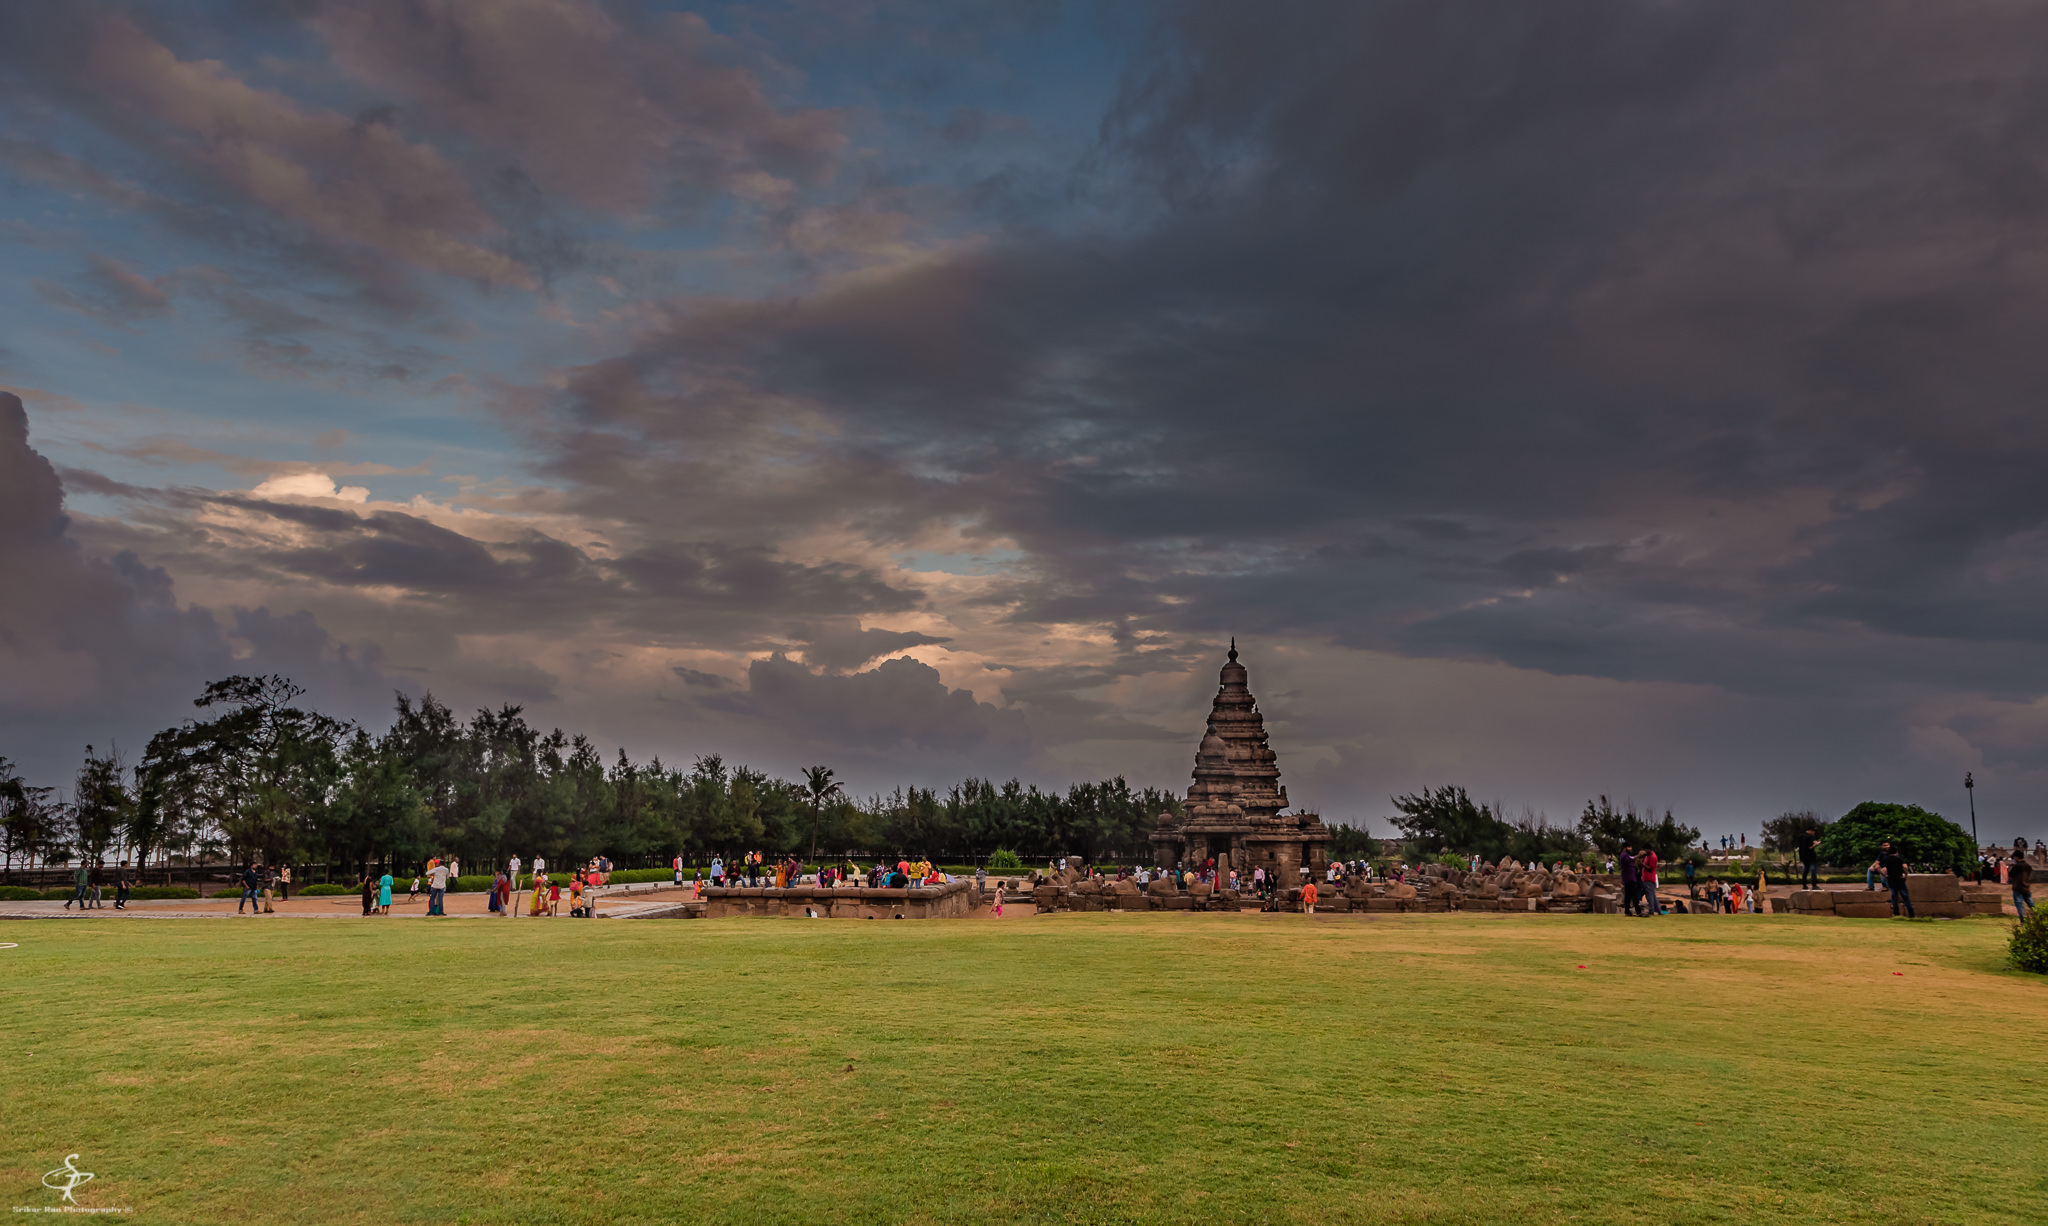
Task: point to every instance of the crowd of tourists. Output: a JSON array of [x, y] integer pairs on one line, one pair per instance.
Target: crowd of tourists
[[754, 869], [519, 889]]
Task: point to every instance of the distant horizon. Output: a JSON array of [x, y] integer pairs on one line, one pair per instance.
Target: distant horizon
[[1638, 400]]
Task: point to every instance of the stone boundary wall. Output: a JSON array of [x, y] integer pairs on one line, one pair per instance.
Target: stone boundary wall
[[1937, 894], [1497, 888], [954, 900]]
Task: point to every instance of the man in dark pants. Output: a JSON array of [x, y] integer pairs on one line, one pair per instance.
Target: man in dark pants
[[1809, 860], [1692, 880], [1895, 878], [1631, 879], [251, 884], [2020, 876], [121, 885]]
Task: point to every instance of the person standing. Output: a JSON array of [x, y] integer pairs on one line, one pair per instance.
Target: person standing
[[1692, 879], [384, 893], [122, 882], [1895, 878], [677, 864], [515, 874], [1631, 879], [368, 892], [96, 878], [251, 884], [437, 887], [1647, 866], [284, 883], [999, 900], [1809, 860], [413, 894], [454, 868], [269, 890], [1308, 897], [540, 865], [2020, 876]]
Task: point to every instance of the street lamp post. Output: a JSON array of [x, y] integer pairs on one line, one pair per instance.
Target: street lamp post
[[1970, 790]]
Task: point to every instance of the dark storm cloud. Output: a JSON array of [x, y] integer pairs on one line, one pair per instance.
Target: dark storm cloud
[[98, 650], [900, 704], [701, 592], [841, 644], [1695, 315]]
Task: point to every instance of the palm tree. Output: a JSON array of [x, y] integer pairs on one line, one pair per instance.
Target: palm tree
[[820, 786]]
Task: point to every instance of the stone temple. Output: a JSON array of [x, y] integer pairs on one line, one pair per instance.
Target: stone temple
[[1233, 811]]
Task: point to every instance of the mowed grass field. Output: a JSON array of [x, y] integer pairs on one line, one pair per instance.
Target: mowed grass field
[[1077, 1068]]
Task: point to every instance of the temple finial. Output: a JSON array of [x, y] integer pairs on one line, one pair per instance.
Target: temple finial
[[1233, 649]]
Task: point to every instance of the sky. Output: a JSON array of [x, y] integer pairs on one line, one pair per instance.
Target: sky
[[1563, 400]]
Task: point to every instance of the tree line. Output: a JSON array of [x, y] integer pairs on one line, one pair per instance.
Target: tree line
[[258, 775], [1447, 820]]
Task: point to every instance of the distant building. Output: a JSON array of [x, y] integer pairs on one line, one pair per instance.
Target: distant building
[[1233, 811]]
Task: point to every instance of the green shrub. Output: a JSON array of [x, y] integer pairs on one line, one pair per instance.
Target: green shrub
[[323, 891], [1925, 839], [1003, 860], [163, 891], [2029, 947], [20, 893]]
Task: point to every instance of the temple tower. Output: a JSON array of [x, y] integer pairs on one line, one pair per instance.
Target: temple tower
[[1234, 808]]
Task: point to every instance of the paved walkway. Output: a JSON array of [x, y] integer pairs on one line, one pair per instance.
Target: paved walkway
[[616, 901]]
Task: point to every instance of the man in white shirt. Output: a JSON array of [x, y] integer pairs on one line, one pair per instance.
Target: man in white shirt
[[515, 874], [678, 864], [438, 887]]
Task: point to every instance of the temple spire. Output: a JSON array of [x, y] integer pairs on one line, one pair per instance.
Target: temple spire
[[1233, 649]]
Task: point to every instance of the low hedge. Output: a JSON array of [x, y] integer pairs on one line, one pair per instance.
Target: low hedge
[[22, 893]]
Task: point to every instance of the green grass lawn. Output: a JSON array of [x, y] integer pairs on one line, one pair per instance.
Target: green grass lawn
[[1085, 1068]]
